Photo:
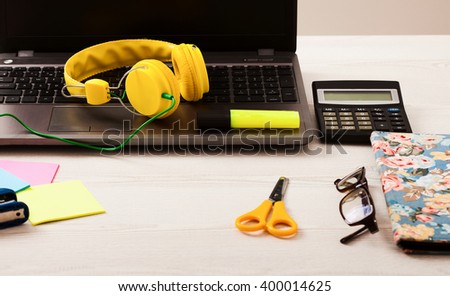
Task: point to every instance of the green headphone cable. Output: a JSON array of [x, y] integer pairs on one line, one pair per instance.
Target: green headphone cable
[[93, 147]]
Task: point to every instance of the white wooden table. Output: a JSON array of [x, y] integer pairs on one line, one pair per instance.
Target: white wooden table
[[172, 214]]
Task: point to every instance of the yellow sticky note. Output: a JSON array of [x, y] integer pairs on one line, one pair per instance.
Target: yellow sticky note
[[59, 201]]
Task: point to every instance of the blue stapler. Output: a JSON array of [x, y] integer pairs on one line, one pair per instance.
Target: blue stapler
[[12, 212]]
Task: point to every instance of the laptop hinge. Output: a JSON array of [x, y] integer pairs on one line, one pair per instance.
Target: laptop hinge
[[266, 52], [25, 53]]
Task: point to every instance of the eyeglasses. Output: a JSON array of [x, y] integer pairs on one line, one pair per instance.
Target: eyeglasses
[[357, 206]]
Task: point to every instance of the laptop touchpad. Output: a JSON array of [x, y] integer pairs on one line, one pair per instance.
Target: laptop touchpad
[[90, 119]]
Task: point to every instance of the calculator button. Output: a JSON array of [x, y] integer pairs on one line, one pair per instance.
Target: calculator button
[[400, 128], [349, 127], [329, 113], [345, 114], [397, 123], [393, 110], [377, 114], [378, 110], [395, 115], [364, 123], [366, 127], [365, 118], [328, 118], [379, 118], [361, 110], [346, 118], [347, 123], [396, 118], [327, 110], [361, 113], [331, 123], [381, 126], [345, 109], [332, 128]]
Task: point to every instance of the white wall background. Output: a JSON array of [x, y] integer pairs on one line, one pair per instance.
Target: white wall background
[[373, 17]]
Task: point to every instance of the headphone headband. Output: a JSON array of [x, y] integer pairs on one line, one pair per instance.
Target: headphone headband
[[109, 56]]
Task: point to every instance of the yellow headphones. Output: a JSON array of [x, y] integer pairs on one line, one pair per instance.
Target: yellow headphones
[[147, 80]]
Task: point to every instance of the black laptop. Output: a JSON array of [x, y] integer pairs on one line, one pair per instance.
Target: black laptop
[[248, 45]]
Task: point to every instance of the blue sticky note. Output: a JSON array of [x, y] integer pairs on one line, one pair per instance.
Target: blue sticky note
[[8, 180]]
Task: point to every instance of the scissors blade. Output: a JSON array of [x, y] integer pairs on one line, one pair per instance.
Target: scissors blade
[[279, 189]]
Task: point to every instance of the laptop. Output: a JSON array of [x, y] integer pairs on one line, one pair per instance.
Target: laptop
[[249, 48]]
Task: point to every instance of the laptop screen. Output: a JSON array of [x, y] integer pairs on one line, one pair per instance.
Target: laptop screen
[[214, 25]]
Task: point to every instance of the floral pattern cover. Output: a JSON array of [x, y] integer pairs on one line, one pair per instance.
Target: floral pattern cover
[[415, 177]]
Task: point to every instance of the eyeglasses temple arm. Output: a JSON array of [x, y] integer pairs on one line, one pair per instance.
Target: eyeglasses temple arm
[[353, 235]]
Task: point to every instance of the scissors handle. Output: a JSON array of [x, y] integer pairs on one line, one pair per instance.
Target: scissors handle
[[254, 220], [281, 224]]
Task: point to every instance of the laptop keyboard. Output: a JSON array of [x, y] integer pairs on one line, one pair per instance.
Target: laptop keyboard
[[240, 84], [30, 85], [236, 84]]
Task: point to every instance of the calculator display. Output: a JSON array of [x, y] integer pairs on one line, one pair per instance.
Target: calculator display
[[358, 96], [364, 96]]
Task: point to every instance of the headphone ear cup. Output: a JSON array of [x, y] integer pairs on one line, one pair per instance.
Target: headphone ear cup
[[190, 71], [146, 83]]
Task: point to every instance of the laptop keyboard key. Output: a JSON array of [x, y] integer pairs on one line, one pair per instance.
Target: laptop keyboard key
[[272, 92], [10, 92], [12, 100], [223, 100], [7, 85], [257, 98], [241, 92], [284, 71], [254, 79], [289, 95], [29, 99], [239, 72], [40, 86], [30, 92], [273, 99], [24, 86], [45, 100], [239, 79], [16, 74], [22, 80], [248, 99], [242, 99], [270, 79], [32, 74], [220, 85], [56, 80], [49, 69], [38, 80], [257, 92], [220, 92], [47, 93], [255, 85], [71, 100], [6, 79], [286, 82]]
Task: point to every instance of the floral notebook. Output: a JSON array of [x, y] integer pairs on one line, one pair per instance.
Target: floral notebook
[[415, 177]]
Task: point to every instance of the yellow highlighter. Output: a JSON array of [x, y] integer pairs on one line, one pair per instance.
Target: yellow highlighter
[[246, 118]]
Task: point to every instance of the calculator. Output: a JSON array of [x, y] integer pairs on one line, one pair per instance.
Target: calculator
[[347, 111]]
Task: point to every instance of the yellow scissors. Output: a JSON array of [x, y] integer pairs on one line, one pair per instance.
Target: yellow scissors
[[280, 223]]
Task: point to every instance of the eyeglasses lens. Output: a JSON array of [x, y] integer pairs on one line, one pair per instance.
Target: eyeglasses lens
[[356, 206], [347, 182]]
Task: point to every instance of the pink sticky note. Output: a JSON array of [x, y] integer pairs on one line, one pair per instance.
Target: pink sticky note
[[35, 173]]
